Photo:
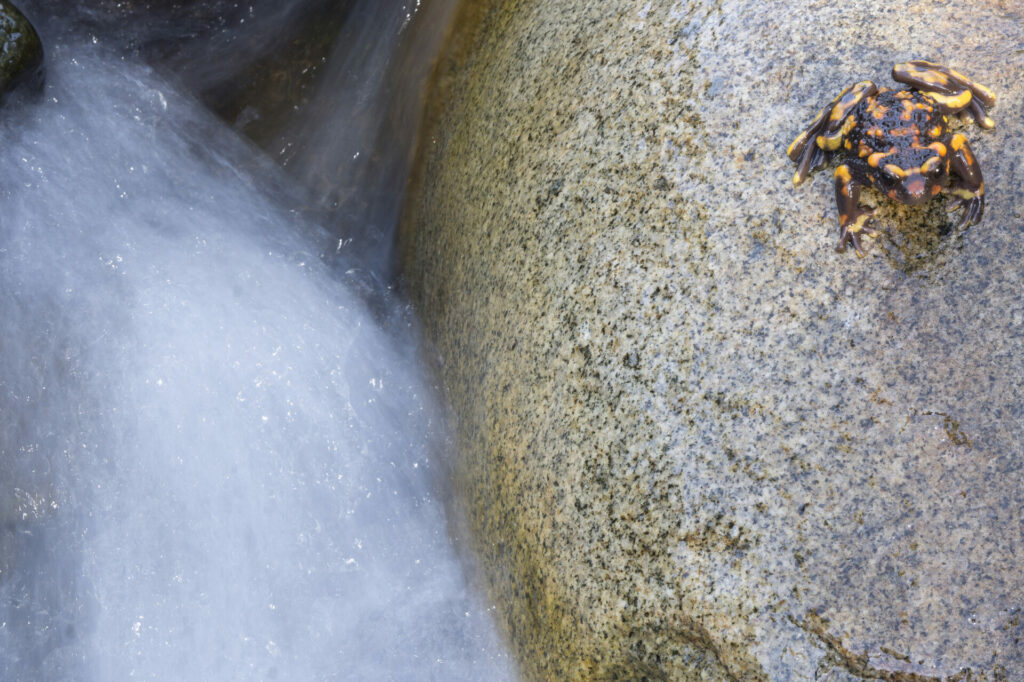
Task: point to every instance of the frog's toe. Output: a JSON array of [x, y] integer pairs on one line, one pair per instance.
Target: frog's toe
[[851, 238], [850, 232], [971, 209], [980, 114]]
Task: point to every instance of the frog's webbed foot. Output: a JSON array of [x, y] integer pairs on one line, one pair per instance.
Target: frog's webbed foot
[[973, 208], [850, 234], [811, 148], [966, 182], [853, 217], [954, 92]]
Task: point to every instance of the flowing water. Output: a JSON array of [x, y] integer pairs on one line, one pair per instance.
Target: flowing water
[[219, 456]]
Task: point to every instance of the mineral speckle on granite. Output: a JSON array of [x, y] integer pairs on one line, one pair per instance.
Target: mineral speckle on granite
[[696, 442]]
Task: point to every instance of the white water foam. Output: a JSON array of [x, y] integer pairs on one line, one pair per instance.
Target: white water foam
[[214, 462]]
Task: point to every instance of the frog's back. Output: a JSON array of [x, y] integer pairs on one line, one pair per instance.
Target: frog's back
[[896, 119]]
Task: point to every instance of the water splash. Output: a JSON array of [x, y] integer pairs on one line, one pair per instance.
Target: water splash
[[214, 462]]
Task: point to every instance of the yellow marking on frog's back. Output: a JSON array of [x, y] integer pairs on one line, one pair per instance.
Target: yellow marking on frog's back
[[876, 158], [895, 170]]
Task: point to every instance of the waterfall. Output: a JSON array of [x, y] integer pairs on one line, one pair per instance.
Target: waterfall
[[220, 457]]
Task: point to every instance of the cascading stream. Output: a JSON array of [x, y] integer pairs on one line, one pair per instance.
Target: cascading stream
[[215, 462]]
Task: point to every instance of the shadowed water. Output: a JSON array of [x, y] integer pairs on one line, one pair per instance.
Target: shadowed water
[[215, 463]]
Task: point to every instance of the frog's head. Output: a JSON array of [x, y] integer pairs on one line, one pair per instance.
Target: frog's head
[[914, 175]]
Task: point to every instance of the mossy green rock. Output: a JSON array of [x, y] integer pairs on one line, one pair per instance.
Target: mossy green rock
[[696, 442], [21, 51]]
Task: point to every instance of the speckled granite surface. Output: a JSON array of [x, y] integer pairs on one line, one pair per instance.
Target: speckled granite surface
[[698, 443]]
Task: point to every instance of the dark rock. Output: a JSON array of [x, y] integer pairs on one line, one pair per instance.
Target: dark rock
[[21, 51]]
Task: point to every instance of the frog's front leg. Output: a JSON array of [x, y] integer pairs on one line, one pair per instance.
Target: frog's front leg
[[853, 217], [965, 182], [824, 135], [952, 91]]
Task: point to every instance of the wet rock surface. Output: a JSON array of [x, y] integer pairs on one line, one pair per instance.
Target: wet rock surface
[[21, 52], [698, 443], [255, 64]]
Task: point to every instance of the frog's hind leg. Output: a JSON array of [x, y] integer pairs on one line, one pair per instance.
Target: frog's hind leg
[[966, 184], [954, 92], [811, 148], [853, 217]]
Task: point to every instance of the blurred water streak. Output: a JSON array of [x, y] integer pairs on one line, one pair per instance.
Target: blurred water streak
[[215, 461]]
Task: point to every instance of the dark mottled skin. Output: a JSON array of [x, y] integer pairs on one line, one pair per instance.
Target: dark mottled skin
[[899, 142]]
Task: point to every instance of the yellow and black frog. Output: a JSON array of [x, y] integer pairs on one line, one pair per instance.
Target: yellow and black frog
[[899, 142]]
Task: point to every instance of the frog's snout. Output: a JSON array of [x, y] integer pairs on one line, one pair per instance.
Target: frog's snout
[[915, 190]]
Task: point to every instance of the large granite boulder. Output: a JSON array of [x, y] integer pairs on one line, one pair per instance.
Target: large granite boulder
[[696, 441]]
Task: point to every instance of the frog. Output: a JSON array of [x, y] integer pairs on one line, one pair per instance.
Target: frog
[[899, 142]]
